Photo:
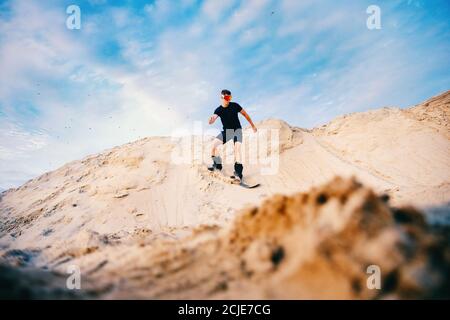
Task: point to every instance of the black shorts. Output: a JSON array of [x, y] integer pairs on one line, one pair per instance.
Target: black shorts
[[228, 134]]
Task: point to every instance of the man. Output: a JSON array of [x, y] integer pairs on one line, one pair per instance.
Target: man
[[228, 112]]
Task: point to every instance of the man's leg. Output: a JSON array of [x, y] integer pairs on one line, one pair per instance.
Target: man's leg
[[216, 143], [237, 152], [238, 168], [217, 161]]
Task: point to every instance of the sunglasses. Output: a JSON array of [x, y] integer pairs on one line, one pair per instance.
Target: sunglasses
[[226, 97]]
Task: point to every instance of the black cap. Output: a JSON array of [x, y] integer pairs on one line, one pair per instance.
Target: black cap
[[226, 92]]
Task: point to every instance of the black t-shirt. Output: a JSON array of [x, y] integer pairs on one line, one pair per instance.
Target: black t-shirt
[[229, 115]]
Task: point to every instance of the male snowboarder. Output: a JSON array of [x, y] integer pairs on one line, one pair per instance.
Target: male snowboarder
[[232, 130]]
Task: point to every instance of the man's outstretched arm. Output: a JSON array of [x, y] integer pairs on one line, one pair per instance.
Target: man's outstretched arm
[[213, 118], [245, 114]]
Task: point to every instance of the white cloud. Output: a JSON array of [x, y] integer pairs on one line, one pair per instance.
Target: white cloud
[[121, 17], [114, 104], [216, 9], [34, 42], [247, 13], [252, 35], [159, 10], [15, 141], [17, 144]]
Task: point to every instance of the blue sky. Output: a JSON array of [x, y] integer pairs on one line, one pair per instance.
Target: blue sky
[[141, 68]]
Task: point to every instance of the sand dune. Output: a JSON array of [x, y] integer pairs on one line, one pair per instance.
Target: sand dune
[[140, 225]]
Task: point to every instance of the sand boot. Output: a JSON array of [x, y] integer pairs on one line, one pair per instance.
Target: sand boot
[[217, 164], [238, 168]]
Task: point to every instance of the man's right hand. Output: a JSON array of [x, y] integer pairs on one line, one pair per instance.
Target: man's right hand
[[212, 119]]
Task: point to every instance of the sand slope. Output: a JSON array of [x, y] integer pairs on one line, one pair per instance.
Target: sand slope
[[130, 207], [407, 148]]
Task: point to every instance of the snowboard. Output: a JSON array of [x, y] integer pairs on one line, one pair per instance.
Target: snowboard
[[243, 184], [247, 186]]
